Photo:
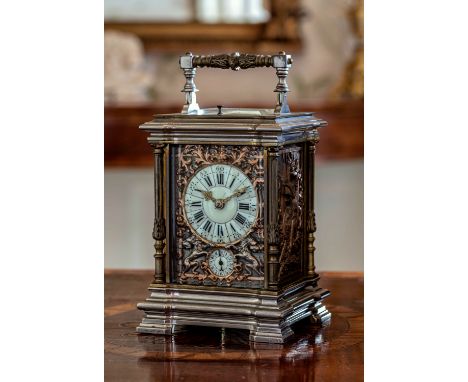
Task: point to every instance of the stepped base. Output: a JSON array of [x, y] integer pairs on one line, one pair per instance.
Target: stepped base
[[268, 317]]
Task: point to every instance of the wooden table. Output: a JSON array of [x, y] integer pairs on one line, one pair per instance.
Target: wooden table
[[334, 353]]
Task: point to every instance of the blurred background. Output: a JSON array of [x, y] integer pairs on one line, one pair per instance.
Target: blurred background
[[143, 40]]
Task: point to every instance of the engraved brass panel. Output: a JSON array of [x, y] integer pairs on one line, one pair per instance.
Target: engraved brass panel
[[190, 263], [291, 207]]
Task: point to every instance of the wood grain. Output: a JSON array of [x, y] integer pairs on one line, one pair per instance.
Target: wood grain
[[333, 353]]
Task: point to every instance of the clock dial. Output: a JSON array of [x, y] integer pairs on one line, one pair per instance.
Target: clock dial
[[220, 204], [221, 262]]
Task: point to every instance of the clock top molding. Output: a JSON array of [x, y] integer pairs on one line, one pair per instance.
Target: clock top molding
[[238, 126]]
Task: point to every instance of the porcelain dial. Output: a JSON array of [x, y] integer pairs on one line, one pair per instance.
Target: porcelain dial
[[220, 204], [221, 262]]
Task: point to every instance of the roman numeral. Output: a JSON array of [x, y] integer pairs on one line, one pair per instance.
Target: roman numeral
[[244, 206], [196, 204], [199, 215], [220, 231], [232, 227], [208, 225], [208, 181], [240, 219], [232, 182], [220, 178]]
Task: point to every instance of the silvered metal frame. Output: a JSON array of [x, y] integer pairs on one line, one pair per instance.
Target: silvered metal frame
[[267, 312]]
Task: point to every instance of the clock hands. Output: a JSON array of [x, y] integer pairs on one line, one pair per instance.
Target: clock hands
[[207, 194], [235, 194], [219, 203]]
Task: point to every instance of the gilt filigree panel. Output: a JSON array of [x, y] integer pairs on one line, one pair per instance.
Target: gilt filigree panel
[[190, 263], [291, 207]]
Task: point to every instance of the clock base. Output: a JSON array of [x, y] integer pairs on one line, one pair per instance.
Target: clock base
[[267, 316]]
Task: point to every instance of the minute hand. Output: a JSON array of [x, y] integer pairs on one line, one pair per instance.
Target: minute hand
[[235, 194]]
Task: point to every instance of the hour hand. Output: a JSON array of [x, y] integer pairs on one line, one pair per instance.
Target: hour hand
[[207, 194]]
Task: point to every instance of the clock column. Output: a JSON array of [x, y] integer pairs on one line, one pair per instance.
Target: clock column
[[159, 228], [272, 217], [310, 223]]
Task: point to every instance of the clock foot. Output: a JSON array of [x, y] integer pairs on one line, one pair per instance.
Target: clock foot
[[320, 314], [156, 326], [270, 332]]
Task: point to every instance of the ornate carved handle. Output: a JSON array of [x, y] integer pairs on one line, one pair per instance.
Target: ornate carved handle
[[233, 61], [281, 62]]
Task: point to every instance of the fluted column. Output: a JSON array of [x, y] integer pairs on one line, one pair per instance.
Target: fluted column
[[272, 216], [159, 228], [311, 226]]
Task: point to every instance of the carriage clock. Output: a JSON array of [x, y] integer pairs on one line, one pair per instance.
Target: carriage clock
[[234, 212]]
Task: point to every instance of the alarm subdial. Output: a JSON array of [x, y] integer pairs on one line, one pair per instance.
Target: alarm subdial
[[221, 262]]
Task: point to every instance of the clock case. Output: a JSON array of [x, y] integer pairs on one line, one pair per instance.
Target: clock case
[[287, 287]]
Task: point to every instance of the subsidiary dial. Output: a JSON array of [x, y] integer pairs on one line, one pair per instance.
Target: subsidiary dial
[[221, 262], [220, 204]]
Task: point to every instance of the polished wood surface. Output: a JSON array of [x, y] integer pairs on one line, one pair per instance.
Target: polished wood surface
[[334, 353], [125, 144]]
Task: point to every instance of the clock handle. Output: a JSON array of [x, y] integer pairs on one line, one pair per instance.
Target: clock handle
[[189, 63]]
